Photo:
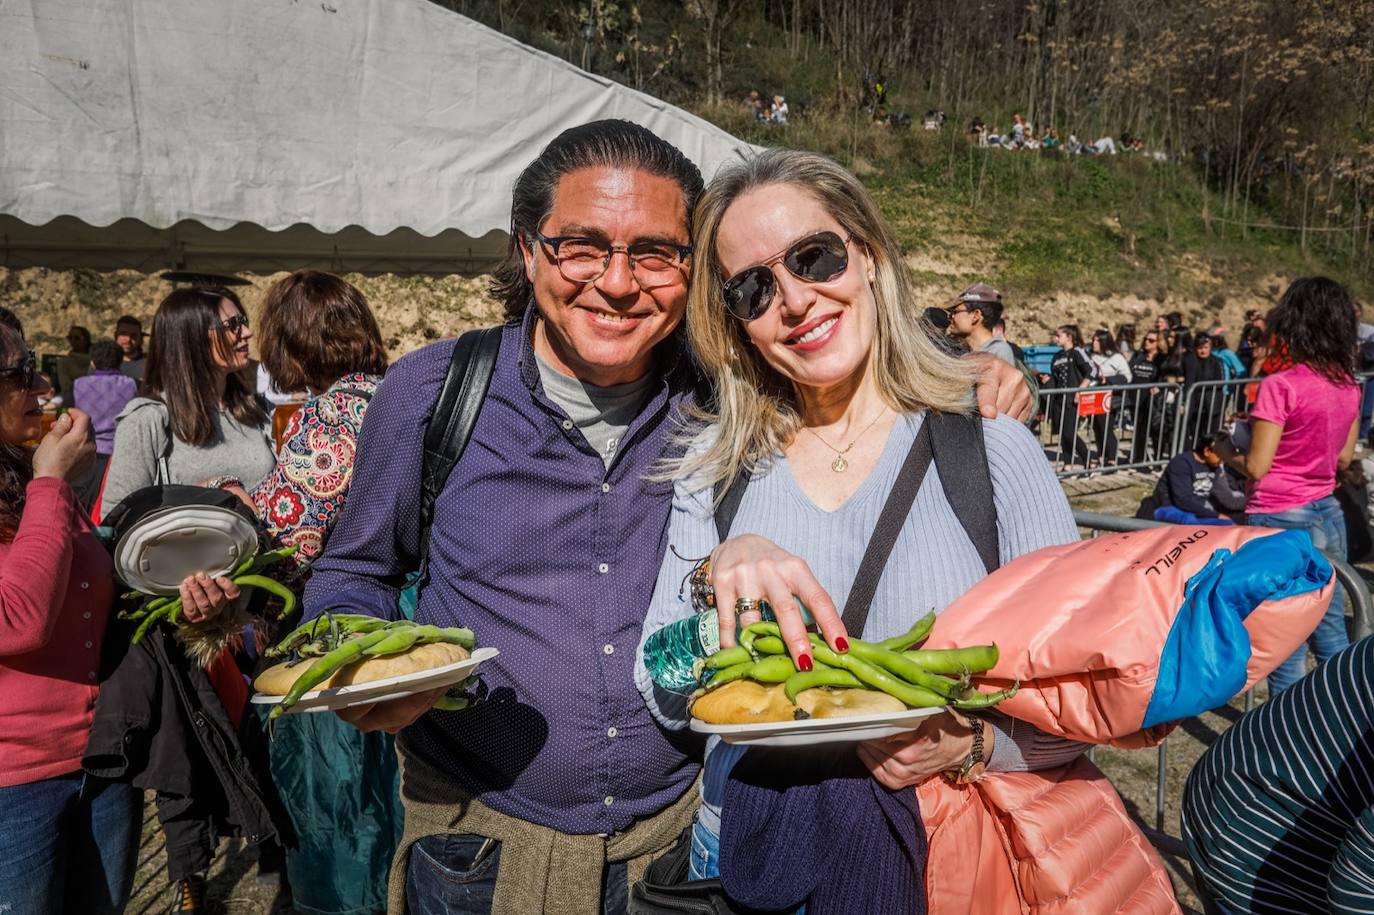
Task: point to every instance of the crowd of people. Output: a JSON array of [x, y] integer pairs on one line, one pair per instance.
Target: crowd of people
[[767, 111], [757, 338], [1023, 136]]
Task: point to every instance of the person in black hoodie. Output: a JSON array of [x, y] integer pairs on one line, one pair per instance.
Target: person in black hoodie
[[1070, 368], [1147, 366], [1206, 406]]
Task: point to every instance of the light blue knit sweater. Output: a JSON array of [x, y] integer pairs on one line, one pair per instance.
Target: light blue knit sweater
[[932, 563]]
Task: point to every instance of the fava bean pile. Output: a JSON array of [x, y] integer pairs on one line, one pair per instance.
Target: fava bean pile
[[918, 678], [335, 641], [168, 608]]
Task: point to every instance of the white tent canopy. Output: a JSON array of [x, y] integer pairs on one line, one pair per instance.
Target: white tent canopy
[[220, 135]]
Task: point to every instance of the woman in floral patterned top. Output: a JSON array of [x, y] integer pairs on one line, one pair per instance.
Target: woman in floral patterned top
[[339, 784], [299, 501]]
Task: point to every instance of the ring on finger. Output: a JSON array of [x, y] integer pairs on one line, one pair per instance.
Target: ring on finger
[[745, 605]]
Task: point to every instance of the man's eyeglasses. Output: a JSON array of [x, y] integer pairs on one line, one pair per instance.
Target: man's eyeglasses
[[235, 324], [816, 258], [584, 260], [26, 371]]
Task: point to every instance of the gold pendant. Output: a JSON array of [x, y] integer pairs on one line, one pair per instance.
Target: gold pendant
[[839, 465]]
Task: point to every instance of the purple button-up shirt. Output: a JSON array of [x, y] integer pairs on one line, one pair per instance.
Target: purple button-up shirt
[[546, 555], [102, 394]]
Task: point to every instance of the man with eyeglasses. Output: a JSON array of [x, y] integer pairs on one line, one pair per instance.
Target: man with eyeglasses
[[554, 792]]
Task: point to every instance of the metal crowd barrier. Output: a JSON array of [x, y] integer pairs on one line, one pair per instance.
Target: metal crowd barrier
[[1207, 405], [1108, 427], [1359, 601]]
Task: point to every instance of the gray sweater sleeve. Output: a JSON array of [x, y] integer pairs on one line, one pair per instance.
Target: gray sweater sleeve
[[140, 439], [691, 536]]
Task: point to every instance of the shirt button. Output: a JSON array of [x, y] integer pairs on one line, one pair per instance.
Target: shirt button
[[86, 615], [90, 644], [611, 732], [90, 675], [567, 424], [85, 586], [609, 800], [608, 649], [605, 487], [603, 568]]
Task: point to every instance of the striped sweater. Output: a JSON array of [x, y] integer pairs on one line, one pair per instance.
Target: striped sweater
[[1279, 813]]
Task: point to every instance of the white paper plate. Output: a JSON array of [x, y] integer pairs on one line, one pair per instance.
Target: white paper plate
[[812, 731], [385, 690]]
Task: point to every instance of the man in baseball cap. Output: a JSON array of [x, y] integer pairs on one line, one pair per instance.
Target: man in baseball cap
[[972, 315]]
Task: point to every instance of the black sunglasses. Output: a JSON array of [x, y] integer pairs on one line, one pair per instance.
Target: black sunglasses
[[26, 370], [234, 324], [816, 258]]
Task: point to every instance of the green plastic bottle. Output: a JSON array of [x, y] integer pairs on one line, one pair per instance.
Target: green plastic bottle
[[671, 653]]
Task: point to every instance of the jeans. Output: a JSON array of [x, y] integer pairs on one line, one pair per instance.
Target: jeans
[[68, 844], [705, 860], [1325, 523], [455, 874]]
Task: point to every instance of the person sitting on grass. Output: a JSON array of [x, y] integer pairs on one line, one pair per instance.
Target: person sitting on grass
[[1195, 488]]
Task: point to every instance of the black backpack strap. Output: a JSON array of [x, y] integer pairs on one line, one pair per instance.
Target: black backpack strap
[[884, 536], [727, 506], [961, 459], [454, 416]]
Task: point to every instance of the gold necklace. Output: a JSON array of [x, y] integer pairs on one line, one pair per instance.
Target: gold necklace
[[840, 465]]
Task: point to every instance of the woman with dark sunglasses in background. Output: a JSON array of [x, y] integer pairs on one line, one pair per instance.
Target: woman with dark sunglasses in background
[[199, 420], [1148, 407], [803, 317]]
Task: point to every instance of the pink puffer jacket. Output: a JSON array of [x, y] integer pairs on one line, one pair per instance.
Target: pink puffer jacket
[[1112, 640]]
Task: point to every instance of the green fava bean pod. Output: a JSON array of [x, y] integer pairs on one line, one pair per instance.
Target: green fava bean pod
[[973, 659], [770, 644], [727, 657], [824, 676], [772, 669], [753, 631], [905, 668], [871, 675], [912, 636], [326, 667], [986, 700]]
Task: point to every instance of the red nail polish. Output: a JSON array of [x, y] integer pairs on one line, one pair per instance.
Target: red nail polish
[[804, 662], [842, 644]]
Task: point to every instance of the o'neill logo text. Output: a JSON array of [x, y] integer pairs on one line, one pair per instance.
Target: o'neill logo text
[[1171, 557]]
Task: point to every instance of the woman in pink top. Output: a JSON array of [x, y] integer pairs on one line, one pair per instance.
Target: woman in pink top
[[68, 841], [1304, 425]]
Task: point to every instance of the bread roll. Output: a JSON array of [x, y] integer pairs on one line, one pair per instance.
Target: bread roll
[[751, 702], [276, 680]]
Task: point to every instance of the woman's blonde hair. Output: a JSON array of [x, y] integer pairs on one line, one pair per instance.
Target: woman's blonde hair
[[756, 407]]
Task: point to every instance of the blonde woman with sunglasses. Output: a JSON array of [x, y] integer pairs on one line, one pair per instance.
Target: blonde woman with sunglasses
[[802, 315]]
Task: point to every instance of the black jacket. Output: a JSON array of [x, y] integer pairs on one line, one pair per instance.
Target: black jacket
[[160, 725]]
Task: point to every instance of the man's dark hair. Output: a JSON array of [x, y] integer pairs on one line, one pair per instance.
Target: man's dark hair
[[613, 143], [1314, 320], [1207, 441], [106, 355], [1200, 340], [991, 312], [11, 320]]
